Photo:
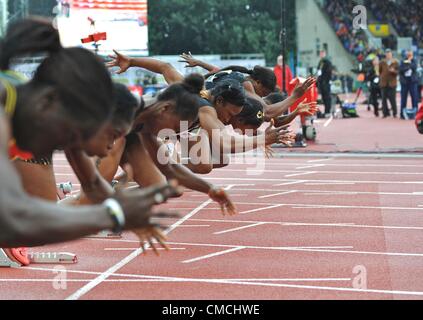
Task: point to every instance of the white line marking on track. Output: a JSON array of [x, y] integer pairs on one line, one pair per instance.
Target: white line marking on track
[[330, 184], [132, 249], [290, 183], [263, 284], [328, 122], [314, 206], [320, 181], [331, 248], [177, 279], [240, 228], [216, 254], [302, 224], [300, 174], [261, 209], [320, 160], [310, 166], [277, 194], [94, 283]]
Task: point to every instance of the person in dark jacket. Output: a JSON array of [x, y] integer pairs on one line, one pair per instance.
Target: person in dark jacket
[[373, 79], [324, 73], [388, 70], [409, 82]]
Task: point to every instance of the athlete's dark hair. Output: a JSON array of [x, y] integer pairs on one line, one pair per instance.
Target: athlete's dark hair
[[186, 96], [81, 80], [126, 104], [230, 91], [266, 76], [252, 114], [274, 97]]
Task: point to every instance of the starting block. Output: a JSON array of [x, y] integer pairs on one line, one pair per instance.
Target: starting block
[[106, 235], [5, 261], [52, 258], [66, 187], [37, 258]]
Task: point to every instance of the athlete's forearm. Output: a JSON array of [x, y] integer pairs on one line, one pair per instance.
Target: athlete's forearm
[[278, 109], [186, 178], [31, 222], [95, 187], [285, 120], [166, 69]]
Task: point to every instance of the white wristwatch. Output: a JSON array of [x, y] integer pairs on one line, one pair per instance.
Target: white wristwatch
[[115, 211]]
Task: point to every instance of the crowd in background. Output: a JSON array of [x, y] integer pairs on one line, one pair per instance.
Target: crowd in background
[[353, 40], [404, 15]]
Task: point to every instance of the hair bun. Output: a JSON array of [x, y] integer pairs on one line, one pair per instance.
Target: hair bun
[[194, 83]]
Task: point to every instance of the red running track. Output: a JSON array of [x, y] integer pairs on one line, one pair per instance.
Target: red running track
[[308, 228]]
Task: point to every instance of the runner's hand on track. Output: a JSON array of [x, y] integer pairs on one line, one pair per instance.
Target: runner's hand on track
[[137, 204], [151, 235], [119, 60], [269, 152], [226, 205]]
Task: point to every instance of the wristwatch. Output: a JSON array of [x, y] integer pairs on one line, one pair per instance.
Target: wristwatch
[[115, 211]]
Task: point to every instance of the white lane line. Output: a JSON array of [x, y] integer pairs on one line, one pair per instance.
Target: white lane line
[[342, 192], [310, 166], [132, 249], [328, 122], [262, 209], [195, 226], [300, 174], [178, 279], [137, 277], [313, 206], [331, 194], [263, 284], [240, 228], [343, 165], [290, 183], [330, 184], [94, 283], [223, 281], [277, 194], [331, 248], [320, 160], [320, 181], [216, 254], [302, 224]]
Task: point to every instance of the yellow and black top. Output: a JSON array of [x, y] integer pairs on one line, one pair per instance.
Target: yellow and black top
[[10, 80]]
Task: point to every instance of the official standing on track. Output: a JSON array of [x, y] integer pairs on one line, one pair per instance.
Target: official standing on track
[[324, 73]]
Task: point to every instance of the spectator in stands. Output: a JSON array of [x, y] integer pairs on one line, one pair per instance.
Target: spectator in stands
[[409, 82], [388, 70], [278, 73], [340, 12], [404, 15], [324, 76]]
